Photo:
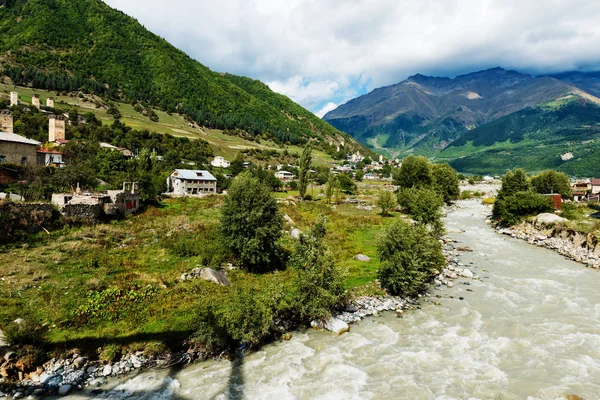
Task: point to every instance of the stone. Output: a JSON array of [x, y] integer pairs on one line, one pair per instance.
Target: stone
[[79, 362], [51, 382], [96, 382], [287, 336], [336, 326], [18, 395], [218, 277], [63, 390], [362, 257], [3, 341], [464, 249], [295, 233], [288, 219], [466, 273], [107, 370], [10, 355], [549, 219]]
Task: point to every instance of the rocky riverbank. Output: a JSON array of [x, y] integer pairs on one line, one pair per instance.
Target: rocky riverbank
[[551, 231]]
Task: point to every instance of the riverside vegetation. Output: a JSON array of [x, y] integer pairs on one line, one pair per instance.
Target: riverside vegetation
[[112, 289]]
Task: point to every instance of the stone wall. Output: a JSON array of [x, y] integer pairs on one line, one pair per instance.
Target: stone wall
[[26, 218], [89, 214], [14, 153]]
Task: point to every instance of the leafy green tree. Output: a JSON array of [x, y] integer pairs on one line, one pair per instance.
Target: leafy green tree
[[513, 182], [320, 281], [410, 257], [303, 172], [237, 165], [551, 182], [346, 184], [386, 201], [424, 205], [445, 182], [251, 224], [331, 187], [510, 210], [414, 172], [359, 176]]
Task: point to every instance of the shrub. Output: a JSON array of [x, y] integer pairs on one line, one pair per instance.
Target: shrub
[[410, 256], [251, 224], [510, 210], [424, 205], [488, 201], [345, 183], [572, 211], [110, 353], [445, 182], [466, 195], [386, 201]]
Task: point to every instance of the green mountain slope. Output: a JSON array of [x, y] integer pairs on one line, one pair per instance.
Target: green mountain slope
[[536, 138], [66, 45]]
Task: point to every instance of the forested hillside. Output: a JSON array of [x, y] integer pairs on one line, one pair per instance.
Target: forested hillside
[[66, 45]]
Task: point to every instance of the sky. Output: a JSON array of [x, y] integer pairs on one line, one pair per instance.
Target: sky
[[322, 53]]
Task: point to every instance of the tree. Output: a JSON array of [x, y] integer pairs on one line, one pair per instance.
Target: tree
[[410, 256], [346, 184], [414, 172], [424, 206], [303, 172], [386, 201], [330, 188], [251, 224], [445, 182], [510, 210], [551, 182], [359, 176], [513, 182]]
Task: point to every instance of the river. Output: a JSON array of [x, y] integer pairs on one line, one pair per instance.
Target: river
[[529, 329]]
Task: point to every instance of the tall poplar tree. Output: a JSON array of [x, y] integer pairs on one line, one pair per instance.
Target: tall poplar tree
[[305, 164]]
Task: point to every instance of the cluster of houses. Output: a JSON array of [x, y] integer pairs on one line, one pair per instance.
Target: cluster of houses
[[586, 190]]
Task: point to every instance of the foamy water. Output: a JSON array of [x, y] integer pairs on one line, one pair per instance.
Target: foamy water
[[529, 330]]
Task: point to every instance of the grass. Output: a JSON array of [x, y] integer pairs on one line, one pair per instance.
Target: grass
[[50, 277]]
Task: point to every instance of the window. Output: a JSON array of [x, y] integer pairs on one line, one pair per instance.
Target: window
[[2, 159], [23, 160]]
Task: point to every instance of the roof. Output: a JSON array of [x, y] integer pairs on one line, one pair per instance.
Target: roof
[[11, 137], [284, 172], [194, 174], [48, 151], [596, 181]]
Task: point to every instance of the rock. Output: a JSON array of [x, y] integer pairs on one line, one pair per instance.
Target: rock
[[21, 322], [18, 395], [466, 273], [91, 370], [63, 390], [362, 257], [218, 277], [79, 362], [96, 382], [295, 233], [288, 219], [464, 249], [549, 219], [336, 326], [107, 370], [287, 336], [2, 339], [351, 308], [51, 382], [10, 355], [38, 392]]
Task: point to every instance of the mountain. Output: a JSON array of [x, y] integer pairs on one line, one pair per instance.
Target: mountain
[[563, 135], [425, 114], [68, 45]]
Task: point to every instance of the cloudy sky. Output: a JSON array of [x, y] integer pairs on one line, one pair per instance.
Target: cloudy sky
[[322, 53]]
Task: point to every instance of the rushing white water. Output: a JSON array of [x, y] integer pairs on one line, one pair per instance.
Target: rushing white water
[[530, 329]]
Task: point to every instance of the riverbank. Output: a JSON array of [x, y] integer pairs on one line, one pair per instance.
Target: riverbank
[[552, 232]]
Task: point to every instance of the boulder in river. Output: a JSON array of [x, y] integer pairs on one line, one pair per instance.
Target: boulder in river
[[466, 273], [63, 390], [334, 325], [209, 274]]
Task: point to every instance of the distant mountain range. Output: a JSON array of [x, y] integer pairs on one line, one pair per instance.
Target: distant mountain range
[[71, 45], [497, 110]]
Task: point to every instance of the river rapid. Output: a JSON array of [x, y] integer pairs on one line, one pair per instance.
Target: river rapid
[[528, 329]]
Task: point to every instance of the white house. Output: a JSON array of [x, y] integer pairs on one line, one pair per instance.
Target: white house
[[187, 182], [50, 157], [370, 176], [284, 175], [220, 162]]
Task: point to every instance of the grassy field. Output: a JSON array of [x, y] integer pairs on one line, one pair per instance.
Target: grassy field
[[223, 145], [117, 284]]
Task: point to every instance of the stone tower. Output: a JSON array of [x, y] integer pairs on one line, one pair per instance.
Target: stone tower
[[50, 102], [35, 101], [56, 128], [6, 121], [14, 98]]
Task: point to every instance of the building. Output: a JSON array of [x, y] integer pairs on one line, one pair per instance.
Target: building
[[187, 182], [50, 102], [126, 152], [49, 157], [14, 99], [35, 101], [284, 175], [16, 149], [578, 195], [125, 201], [220, 162], [595, 186], [370, 176], [56, 128], [582, 186], [556, 200], [6, 121]]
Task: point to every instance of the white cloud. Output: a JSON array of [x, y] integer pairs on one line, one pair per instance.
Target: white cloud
[[326, 108], [322, 50]]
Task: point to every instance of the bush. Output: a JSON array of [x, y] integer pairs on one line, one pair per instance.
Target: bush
[[424, 205], [488, 201], [386, 201], [410, 257], [345, 183], [572, 211], [510, 210], [466, 195], [251, 224]]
